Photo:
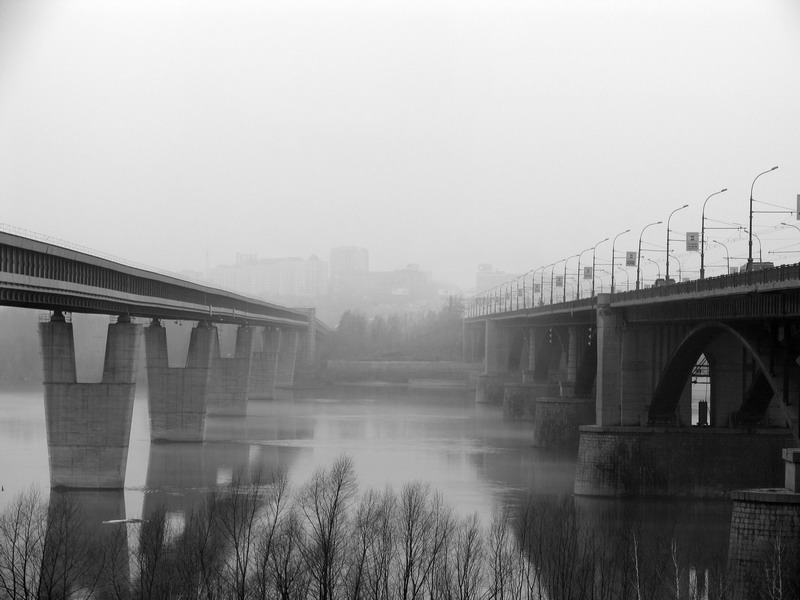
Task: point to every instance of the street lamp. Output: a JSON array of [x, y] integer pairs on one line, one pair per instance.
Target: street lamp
[[727, 254], [639, 254], [594, 255], [566, 260], [750, 241], [703, 234], [758, 239], [627, 279], [578, 272], [668, 218], [551, 278], [656, 264], [541, 286], [614, 257], [680, 269]]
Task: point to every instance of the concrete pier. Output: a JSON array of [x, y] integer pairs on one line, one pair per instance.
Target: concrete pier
[[230, 377], [177, 396], [287, 359], [519, 398], [764, 543], [88, 424], [699, 462], [557, 421], [264, 365]]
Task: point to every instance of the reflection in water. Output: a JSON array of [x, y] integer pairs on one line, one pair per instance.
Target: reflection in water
[[394, 436]]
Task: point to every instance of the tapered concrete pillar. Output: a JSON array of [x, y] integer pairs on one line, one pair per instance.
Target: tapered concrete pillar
[[88, 424], [307, 342], [287, 358], [264, 365], [230, 377], [177, 397], [572, 353]]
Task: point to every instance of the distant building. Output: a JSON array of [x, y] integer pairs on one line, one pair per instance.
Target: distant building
[[488, 277], [348, 259], [273, 277]]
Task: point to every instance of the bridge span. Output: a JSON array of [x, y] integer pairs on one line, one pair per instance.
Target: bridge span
[[88, 424], [689, 389]]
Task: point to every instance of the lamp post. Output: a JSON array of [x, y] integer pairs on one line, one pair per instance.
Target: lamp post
[[551, 279], [614, 258], [541, 285], [564, 287], [680, 269], [639, 254], [578, 273], [758, 239], [727, 254], [627, 279], [668, 218], [594, 255], [703, 234], [750, 241], [656, 264]]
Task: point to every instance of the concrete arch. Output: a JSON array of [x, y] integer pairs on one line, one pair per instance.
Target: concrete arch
[[673, 378]]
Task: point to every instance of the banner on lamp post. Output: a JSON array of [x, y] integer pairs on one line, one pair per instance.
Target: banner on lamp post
[[630, 259], [559, 281], [587, 272]]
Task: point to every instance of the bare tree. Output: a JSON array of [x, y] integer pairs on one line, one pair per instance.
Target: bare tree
[[22, 538], [325, 502]]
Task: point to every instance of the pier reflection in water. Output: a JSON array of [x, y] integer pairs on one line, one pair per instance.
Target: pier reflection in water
[[394, 436]]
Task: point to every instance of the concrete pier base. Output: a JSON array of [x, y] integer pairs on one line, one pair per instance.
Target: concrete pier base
[[264, 365], [694, 462], [490, 389], [764, 543], [557, 421], [177, 396], [88, 424], [230, 377], [519, 399]]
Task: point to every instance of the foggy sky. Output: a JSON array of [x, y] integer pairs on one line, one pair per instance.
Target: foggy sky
[[447, 133]]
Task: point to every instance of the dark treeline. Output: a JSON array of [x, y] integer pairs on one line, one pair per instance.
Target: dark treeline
[[325, 541], [434, 335]]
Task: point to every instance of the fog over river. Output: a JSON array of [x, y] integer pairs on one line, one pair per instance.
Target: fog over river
[[395, 435]]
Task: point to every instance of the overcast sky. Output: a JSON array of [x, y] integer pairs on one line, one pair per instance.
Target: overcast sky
[[177, 133]]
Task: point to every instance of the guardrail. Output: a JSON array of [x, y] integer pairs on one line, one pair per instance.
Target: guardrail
[[497, 302]]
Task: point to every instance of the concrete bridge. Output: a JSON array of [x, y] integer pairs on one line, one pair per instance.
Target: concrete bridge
[[88, 424], [688, 389]]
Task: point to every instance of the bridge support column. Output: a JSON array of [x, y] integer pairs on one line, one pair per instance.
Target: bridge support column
[[230, 377], [287, 359], [264, 365], [490, 387], [177, 396], [765, 535], [88, 424], [531, 338], [624, 368]]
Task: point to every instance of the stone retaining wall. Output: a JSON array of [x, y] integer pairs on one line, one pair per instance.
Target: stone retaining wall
[[685, 462]]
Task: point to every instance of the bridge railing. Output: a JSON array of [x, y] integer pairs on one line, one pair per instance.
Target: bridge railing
[[496, 302]]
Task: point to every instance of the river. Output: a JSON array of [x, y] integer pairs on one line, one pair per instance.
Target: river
[[394, 435]]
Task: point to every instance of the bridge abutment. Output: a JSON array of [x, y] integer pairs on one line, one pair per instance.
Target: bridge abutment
[[88, 424], [177, 397], [230, 377]]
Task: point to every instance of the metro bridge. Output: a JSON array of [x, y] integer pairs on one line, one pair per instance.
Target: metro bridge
[[88, 424]]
